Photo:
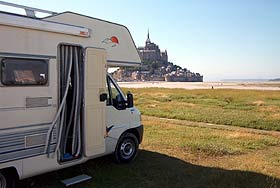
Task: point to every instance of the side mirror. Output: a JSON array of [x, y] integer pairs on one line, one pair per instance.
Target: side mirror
[[129, 100]]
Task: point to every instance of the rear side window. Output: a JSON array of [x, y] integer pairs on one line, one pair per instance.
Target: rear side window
[[23, 72]]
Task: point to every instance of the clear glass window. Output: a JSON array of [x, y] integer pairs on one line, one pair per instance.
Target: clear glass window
[[115, 96], [22, 72]]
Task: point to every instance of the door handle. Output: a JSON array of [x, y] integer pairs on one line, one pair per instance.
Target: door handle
[[103, 97]]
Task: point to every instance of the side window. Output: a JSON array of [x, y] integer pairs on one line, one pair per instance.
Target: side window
[[115, 97], [23, 72], [115, 93]]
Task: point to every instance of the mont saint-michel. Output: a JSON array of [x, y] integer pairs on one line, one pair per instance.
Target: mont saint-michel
[[156, 67]]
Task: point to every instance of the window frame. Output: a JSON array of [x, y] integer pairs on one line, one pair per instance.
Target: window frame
[[25, 59], [110, 80]]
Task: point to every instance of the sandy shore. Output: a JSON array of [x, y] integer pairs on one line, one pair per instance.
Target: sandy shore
[[204, 85]]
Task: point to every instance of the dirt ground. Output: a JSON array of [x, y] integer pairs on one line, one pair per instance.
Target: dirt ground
[[204, 85]]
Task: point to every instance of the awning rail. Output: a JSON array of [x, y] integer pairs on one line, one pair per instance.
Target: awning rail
[[43, 25], [30, 11]]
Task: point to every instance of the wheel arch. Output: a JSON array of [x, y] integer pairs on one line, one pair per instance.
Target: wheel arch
[[12, 170], [136, 132]]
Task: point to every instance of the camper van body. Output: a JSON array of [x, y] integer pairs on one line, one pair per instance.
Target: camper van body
[[29, 103]]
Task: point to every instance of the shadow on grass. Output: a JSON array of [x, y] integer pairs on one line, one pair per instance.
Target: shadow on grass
[[152, 169]]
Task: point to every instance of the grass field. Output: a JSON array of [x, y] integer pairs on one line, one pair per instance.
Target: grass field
[[187, 151], [244, 108], [175, 154]]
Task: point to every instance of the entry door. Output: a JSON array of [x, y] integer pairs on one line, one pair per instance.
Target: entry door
[[95, 83]]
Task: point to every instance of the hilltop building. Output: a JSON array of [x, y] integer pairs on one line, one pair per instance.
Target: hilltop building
[[151, 52], [156, 67]]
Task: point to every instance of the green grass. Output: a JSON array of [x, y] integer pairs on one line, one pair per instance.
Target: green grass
[[207, 141], [274, 158], [244, 108], [176, 155], [154, 170]]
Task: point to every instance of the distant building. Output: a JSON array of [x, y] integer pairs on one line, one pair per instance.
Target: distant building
[[156, 68], [151, 52]]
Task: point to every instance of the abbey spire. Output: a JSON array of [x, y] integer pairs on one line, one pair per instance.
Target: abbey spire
[[148, 37]]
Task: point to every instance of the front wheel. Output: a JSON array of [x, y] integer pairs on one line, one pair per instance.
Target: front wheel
[[6, 180], [127, 148]]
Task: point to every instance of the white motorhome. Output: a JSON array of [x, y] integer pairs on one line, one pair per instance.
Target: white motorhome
[[58, 105]]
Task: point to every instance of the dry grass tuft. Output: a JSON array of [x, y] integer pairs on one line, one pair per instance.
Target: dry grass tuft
[[259, 103]]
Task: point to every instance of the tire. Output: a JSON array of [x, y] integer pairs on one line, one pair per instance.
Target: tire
[[127, 148], [7, 180]]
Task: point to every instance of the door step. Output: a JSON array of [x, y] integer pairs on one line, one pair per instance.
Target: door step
[[76, 179]]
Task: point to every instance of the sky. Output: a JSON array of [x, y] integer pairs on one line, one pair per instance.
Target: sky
[[233, 39]]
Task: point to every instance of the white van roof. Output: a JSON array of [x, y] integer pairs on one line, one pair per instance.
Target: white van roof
[[115, 38], [77, 28]]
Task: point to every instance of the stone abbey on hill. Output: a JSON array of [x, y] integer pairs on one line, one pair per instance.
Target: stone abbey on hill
[[151, 52], [156, 67]]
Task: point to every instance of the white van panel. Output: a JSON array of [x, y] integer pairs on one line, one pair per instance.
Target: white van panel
[[114, 38], [95, 83], [22, 129]]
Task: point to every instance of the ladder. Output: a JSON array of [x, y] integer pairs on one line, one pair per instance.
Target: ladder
[[76, 180], [29, 11]]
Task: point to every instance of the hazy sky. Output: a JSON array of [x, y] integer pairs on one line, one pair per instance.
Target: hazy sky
[[220, 39]]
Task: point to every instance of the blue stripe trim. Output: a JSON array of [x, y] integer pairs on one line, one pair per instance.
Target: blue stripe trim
[[20, 134], [12, 108], [28, 154], [22, 55], [18, 143], [26, 126]]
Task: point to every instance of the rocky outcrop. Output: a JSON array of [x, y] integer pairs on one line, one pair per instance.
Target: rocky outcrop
[[157, 71]]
